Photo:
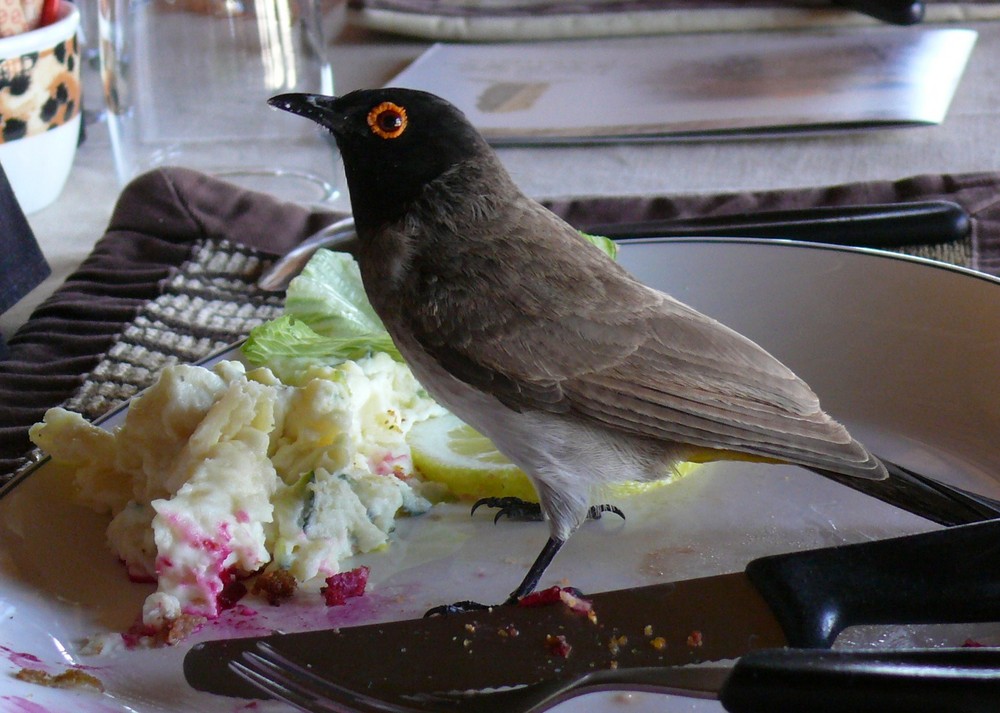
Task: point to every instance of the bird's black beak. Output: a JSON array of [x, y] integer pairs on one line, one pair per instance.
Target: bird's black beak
[[321, 109]]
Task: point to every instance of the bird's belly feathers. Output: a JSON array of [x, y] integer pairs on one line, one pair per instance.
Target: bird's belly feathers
[[564, 456]]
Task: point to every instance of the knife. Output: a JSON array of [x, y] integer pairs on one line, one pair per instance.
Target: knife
[[965, 680], [886, 225], [802, 599], [894, 12]]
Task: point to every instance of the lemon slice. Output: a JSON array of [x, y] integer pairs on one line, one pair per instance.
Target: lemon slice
[[448, 451]]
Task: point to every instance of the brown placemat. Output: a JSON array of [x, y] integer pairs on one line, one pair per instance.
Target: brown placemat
[[173, 279]]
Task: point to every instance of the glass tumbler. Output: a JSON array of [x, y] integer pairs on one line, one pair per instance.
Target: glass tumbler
[[186, 83]]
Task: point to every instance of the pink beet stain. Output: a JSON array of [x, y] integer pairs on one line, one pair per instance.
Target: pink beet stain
[[242, 517], [16, 704], [20, 658], [391, 464]]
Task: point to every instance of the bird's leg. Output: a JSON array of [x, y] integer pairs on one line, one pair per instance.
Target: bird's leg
[[526, 586], [518, 509], [537, 569]]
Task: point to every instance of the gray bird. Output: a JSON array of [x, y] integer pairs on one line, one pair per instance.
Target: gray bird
[[579, 373]]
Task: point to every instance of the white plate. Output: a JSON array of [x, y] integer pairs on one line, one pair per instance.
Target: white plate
[[906, 352]]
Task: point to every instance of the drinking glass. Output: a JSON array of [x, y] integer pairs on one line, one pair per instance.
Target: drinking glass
[[186, 83]]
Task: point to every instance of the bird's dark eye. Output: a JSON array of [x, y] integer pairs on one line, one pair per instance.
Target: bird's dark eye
[[387, 120]]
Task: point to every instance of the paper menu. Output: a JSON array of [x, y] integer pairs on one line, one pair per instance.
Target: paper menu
[[696, 86]]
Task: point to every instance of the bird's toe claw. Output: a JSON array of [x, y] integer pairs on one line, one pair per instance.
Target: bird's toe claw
[[511, 508], [456, 608], [596, 511]]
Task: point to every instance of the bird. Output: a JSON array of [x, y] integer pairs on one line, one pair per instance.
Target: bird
[[578, 372]]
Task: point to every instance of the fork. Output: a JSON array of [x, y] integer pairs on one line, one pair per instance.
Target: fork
[[964, 680]]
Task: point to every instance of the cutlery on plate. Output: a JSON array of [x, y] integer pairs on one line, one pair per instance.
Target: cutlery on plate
[[886, 225], [878, 226], [338, 235], [772, 680], [894, 12], [801, 599]]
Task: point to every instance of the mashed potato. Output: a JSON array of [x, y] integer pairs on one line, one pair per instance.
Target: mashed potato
[[217, 473]]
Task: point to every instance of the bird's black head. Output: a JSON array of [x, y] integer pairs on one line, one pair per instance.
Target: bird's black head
[[393, 143]]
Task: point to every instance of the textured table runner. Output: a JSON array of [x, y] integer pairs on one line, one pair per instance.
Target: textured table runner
[[492, 20], [173, 279]]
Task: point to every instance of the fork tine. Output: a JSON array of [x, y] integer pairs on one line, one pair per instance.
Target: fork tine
[[292, 683]]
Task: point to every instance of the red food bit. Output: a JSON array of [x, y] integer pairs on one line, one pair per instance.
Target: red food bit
[[972, 644], [557, 645], [344, 585], [232, 592], [695, 639], [557, 595]]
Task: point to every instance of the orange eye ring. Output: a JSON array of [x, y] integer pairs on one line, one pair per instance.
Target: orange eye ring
[[387, 120]]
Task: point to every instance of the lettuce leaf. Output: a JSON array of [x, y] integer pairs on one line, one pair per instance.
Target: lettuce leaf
[[327, 320]]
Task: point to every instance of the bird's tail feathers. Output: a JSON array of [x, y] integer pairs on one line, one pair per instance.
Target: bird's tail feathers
[[929, 498]]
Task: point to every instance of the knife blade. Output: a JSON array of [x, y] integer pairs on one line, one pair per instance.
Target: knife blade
[[802, 599]]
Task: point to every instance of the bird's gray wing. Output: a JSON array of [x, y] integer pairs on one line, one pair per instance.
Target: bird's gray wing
[[567, 331]]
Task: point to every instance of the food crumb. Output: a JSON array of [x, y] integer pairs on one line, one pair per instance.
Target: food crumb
[[615, 643], [557, 645], [648, 631], [182, 627], [173, 631], [276, 585], [694, 639], [508, 632], [659, 643], [471, 628], [71, 678]]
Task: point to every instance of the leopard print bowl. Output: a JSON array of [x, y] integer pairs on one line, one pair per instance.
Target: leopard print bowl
[[40, 108]]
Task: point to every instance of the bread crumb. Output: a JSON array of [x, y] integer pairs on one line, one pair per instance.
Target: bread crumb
[[70, 678]]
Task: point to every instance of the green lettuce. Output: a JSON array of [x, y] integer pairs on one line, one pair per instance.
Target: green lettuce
[[327, 320]]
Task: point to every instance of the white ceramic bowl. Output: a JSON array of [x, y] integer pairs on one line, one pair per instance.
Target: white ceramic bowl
[[40, 108]]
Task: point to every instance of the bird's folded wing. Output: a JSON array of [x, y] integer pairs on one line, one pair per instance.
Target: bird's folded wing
[[618, 353]]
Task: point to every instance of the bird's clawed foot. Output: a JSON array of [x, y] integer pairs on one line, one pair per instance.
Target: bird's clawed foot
[[456, 608], [596, 511], [511, 508], [518, 509]]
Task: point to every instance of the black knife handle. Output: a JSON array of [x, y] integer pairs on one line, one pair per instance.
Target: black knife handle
[[884, 225], [946, 576], [865, 681], [895, 12]]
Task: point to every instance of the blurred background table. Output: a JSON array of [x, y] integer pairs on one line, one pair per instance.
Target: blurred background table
[[968, 141]]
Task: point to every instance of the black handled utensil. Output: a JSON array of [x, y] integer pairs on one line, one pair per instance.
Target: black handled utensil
[[895, 12], [888, 225], [772, 680]]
